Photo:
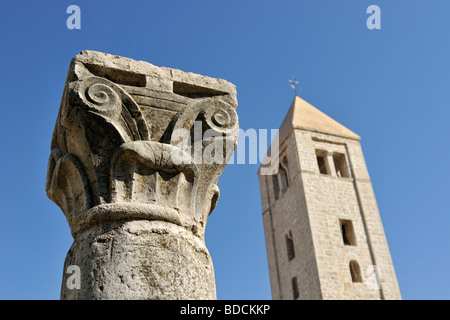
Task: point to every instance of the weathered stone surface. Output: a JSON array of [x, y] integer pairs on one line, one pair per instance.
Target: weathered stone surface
[[129, 153], [140, 259]]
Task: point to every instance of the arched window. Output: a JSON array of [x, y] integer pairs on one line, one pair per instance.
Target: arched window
[[290, 246], [355, 271]]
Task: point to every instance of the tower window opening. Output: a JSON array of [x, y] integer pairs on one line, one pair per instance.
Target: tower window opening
[[348, 234], [276, 186], [355, 271], [295, 292], [322, 162], [280, 180], [284, 175], [340, 165], [290, 246]]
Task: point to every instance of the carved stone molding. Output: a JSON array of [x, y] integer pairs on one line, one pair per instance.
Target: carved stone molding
[[134, 142]]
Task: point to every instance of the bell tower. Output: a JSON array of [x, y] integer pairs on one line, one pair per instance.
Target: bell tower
[[324, 235]]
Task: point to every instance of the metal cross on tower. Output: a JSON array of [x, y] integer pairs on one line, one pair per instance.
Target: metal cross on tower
[[295, 86]]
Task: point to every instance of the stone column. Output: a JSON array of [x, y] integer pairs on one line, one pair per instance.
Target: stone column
[[135, 158]]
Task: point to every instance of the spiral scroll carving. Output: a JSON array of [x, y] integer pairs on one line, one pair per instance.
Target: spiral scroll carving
[[221, 117], [218, 116], [99, 95]]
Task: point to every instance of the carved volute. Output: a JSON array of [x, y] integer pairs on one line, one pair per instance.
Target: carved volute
[[125, 144]]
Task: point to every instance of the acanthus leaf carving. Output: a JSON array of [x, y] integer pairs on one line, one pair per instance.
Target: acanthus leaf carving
[[219, 130], [67, 185], [143, 171], [127, 174]]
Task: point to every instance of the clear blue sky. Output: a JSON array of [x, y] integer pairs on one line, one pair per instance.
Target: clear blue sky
[[391, 86]]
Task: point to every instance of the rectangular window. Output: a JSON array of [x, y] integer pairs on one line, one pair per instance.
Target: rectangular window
[[340, 165], [348, 234], [322, 162], [295, 292], [284, 179], [276, 186]]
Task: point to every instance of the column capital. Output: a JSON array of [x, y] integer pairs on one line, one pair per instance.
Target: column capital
[[134, 141]]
